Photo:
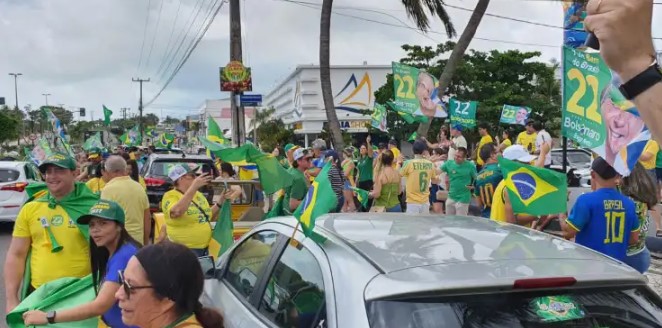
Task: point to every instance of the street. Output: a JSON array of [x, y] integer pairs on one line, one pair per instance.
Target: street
[[5, 239]]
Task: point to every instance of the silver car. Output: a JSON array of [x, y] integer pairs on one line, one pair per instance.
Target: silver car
[[393, 270]]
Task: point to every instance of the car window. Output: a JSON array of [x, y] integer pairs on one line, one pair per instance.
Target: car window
[[9, 175], [582, 308], [557, 159], [248, 261], [579, 158], [294, 296], [160, 168]]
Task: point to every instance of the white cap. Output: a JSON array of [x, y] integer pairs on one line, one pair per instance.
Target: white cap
[[518, 153], [300, 153]]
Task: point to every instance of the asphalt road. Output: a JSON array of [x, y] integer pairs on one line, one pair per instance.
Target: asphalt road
[[5, 239]]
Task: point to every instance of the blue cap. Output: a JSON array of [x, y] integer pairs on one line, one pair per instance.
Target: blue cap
[[458, 127]]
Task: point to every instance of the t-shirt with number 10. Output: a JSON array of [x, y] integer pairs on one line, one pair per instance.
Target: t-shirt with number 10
[[418, 172]]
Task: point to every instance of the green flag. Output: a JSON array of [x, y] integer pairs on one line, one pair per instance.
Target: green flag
[[463, 112], [132, 137], [518, 115], [533, 190], [214, 132], [63, 293], [221, 238], [320, 199], [405, 115], [164, 140], [278, 209], [413, 136], [93, 141], [362, 196], [106, 115]]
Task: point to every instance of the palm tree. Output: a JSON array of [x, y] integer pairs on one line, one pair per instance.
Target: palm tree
[[416, 9], [457, 54], [261, 117]]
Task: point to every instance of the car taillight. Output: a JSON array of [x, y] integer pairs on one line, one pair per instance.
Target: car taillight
[[544, 283], [154, 182], [18, 186]]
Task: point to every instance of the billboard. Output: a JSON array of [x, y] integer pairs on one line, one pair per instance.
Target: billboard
[[234, 77]]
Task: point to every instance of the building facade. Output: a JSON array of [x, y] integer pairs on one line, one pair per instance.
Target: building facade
[[298, 99], [219, 110]]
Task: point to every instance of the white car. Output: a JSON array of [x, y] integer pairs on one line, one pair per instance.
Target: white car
[[14, 177]]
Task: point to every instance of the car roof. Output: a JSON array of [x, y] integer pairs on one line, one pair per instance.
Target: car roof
[[12, 164], [179, 156]]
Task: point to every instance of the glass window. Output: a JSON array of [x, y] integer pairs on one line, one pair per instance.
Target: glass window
[[9, 175], [248, 260], [294, 296], [589, 308]]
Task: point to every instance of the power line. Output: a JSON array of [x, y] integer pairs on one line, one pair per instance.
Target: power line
[[192, 48], [156, 33], [142, 46], [172, 32]]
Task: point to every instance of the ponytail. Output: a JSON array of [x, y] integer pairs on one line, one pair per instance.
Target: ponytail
[[208, 317]]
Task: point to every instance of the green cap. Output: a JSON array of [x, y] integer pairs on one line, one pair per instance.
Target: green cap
[[58, 159], [103, 209], [288, 147], [94, 150]]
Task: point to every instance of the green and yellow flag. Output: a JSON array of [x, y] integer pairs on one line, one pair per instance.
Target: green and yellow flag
[[319, 200], [413, 136], [362, 196], [214, 132], [106, 115], [534, 190], [278, 209], [221, 238]]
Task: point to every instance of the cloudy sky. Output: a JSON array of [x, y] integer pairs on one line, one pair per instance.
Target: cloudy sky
[[85, 52]]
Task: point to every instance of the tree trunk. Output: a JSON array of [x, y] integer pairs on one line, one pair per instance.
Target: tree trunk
[[456, 56], [325, 76]]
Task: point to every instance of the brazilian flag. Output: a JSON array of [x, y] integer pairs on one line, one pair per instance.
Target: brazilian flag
[[362, 196], [534, 190], [319, 200], [221, 238]]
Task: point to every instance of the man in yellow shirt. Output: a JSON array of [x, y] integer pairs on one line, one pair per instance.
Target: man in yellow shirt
[[485, 138], [418, 173], [393, 147], [131, 196], [527, 138], [648, 158], [46, 229]]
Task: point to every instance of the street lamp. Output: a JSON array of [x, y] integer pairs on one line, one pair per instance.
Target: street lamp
[[16, 75], [46, 95]]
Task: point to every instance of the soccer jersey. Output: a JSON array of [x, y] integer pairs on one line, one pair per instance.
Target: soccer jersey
[[483, 141], [604, 220], [527, 140], [418, 172], [460, 176], [486, 182]]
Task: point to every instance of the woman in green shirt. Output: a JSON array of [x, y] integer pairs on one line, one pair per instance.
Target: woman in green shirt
[[387, 184], [365, 167]]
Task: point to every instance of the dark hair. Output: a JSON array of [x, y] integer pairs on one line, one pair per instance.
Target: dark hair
[[135, 176], [507, 131], [419, 147], [227, 168], [439, 151], [125, 156], [483, 126], [462, 150], [184, 282], [487, 150], [99, 256], [393, 142], [382, 145], [530, 123], [640, 186], [387, 157], [537, 126]]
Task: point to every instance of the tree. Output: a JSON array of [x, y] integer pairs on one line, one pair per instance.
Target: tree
[[493, 78], [150, 120], [17, 115], [416, 9], [272, 134], [261, 117], [458, 52], [170, 120], [9, 126]]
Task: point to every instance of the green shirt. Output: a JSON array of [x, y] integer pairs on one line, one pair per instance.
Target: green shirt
[[365, 168], [460, 176], [297, 190], [487, 180], [658, 160]]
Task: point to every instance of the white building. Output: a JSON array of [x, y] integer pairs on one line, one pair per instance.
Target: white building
[[219, 110], [298, 99]]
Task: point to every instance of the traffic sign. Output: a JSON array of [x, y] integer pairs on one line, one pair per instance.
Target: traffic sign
[[250, 100]]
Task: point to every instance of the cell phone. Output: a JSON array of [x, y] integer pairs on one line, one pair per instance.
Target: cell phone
[[592, 42]]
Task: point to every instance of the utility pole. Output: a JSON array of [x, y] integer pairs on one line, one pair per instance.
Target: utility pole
[[46, 95], [238, 118], [140, 104], [124, 109], [16, 75]]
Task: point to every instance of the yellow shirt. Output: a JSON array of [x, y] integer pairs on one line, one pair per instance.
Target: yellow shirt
[[418, 173], [245, 174], [483, 141], [190, 322], [507, 143], [74, 258], [498, 212], [142, 182], [190, 229], [527, 140], [96, 184], [651, 147], [396, 154], [131, 196]]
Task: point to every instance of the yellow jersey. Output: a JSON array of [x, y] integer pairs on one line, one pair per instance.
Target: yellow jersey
[[527, 140], [133, 199], [74, 258], [96, 184], [418, 172], [396, 154], [483, 141], [191, 229], [651, 147], [507, 143], [498, 212]]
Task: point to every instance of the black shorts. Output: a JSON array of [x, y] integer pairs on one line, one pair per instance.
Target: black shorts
[[658, 173]]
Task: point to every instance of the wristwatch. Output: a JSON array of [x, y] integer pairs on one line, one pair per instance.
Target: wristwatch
[[50, 316], [642, 82]]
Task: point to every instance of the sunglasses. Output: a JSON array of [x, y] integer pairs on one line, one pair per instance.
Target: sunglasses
[[128, 289]]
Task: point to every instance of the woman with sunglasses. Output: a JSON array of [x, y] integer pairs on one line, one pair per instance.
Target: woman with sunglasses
[[151, 299], [187, 211], [111, 247]]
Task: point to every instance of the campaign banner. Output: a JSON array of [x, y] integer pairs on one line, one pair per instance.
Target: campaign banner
[[596, 115], [574, 13], [515, 114], [463, 112], [378, 118], [416, 91]]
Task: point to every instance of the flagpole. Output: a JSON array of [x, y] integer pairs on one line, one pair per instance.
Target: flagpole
[[293, 241]]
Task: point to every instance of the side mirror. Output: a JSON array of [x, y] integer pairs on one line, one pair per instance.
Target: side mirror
[[208, 266]]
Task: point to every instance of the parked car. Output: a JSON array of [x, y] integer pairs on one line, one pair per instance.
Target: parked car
[[168, 151], [14, 177], [155, 172], [387, 270], [578, 165]]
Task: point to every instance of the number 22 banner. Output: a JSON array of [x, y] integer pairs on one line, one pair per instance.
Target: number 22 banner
[[416, 91], [595, 113], [463, 112], [515, 114]]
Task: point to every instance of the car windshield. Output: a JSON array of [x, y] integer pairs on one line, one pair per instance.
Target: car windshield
[[160, 168], [579, 159], [612, 308], [9, 175]]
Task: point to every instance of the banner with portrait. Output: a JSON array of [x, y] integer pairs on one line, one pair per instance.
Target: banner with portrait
[[416, 91], [378, 118], [517, 115]]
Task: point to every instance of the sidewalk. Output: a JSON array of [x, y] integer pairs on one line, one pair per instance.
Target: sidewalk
[[654, 274]]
